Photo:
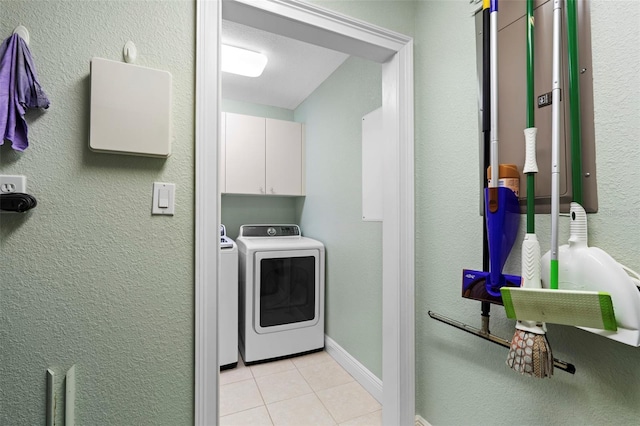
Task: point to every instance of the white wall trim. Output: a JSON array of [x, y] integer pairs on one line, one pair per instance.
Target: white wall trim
[[420, 421], [206, 397], [366, 378], [406, 232], [299, 20], [323, 27], [398, 316]]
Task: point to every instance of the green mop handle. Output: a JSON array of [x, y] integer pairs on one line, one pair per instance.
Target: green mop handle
[[530, 165], [530, 245], [574, 102]]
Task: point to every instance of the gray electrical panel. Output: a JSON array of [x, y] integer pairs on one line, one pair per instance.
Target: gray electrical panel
[[512, 99]]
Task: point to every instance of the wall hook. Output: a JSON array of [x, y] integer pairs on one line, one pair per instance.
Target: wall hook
[[130, 52], [22, 32]]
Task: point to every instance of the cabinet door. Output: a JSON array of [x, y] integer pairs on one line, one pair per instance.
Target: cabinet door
[[284, 158], [222, 162], [245, 154]]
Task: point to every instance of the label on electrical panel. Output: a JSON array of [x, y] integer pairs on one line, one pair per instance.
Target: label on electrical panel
[[545, 99]]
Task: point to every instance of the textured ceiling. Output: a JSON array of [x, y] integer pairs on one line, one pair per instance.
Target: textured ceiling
[[294, 68]]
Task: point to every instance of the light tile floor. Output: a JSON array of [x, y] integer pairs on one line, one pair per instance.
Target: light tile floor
[[309, 390]]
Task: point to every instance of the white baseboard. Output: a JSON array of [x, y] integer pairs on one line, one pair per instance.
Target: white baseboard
[[366, 378], [421, 422]]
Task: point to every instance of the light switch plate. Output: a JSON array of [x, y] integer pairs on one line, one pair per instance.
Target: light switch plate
[[163, 195]]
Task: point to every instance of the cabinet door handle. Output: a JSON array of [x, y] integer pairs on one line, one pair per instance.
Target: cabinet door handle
[[272, 191], [261, 190]]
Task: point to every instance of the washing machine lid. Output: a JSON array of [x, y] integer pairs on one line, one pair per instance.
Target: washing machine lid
[[285, 237], [270, 231]]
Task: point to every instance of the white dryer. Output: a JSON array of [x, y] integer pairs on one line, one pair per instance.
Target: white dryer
[[281, 286], [227, 302]]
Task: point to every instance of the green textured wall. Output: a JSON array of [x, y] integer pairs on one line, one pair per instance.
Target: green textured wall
[[89, 277], [86, 283], [462, 379], [332, 213], [240, 210]]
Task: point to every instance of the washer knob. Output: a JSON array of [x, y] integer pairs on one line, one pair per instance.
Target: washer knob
[[271, 232]]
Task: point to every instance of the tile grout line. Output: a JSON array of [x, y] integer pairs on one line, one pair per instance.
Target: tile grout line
[[351, 418], [249, 408], [332, 387], [264, 403], [317, 396], [266, 406], [313, 391]]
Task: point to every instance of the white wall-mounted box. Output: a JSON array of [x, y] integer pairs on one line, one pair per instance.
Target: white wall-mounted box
[[372, 166], [130, 109]]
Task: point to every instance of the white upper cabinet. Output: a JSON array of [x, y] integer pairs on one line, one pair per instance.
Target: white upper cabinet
[[245, 151], [284, 157], [262, 156], [222, 162]]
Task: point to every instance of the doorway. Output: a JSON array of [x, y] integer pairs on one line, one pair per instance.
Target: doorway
[[395, 52]]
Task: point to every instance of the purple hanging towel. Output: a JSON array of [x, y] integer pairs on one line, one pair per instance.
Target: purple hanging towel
[[19, 90]]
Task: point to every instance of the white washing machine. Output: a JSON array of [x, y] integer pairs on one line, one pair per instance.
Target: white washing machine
[[227, 302], [281, 285]]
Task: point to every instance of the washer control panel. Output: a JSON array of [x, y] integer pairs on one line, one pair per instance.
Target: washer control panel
[[270, 231], [225, 242]]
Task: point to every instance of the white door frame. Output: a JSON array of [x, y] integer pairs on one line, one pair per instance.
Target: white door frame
[[323, 27]]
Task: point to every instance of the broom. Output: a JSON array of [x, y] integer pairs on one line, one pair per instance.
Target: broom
[[530, 353]]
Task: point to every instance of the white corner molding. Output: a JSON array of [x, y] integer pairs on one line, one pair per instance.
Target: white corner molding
[[420, 421], [366, 378], [322, 27], [208, 17], [398, 276]]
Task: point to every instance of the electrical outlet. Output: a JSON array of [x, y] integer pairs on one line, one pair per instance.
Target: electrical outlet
[[10, 184]]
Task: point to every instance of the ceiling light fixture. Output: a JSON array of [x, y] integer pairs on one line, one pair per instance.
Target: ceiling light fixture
[[242, 62]]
